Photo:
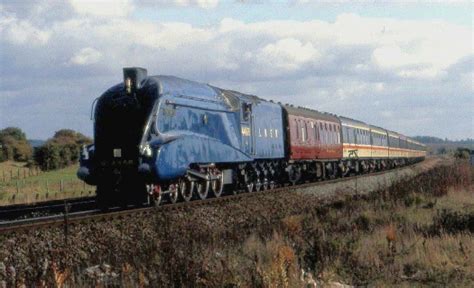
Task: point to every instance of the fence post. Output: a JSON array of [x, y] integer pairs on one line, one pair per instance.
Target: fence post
[[18, 173], [24, 173], [47, 186], [61, 184], [4, 178], [17, 187], [11, 174]]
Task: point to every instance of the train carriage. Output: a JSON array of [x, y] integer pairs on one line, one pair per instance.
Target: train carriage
[[379, 141], [356, 139], [394, 148], [312, 134]]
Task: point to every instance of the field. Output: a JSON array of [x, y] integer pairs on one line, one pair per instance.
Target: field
[[417, 232], [20, 184]]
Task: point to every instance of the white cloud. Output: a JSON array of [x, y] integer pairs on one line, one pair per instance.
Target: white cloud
[[206, 4], [287, 54], [19, 31], [367, 64], [86, 56], [103, 8]]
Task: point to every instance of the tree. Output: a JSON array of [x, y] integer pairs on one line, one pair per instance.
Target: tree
[[62, 150], [14, 145]]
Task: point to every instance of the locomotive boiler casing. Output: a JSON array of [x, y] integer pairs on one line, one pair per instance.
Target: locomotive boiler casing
[[201, 124], [171, 124]]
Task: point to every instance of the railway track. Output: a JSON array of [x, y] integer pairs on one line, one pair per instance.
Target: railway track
[[22, 211], [69, 217]]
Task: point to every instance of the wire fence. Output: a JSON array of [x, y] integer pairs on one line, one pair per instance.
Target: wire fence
[[30, 191], [7, 175]]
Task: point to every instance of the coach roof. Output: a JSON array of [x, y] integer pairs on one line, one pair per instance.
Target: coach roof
[[309, 113]]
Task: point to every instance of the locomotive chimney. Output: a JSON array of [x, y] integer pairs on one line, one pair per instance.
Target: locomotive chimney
[[133, 78]]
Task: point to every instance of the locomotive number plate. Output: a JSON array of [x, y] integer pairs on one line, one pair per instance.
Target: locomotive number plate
[[117, 153]]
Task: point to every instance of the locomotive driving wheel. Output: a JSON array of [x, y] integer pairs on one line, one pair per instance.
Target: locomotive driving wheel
[[173, 193], [186, 189], [258, 184], [202, 189], [265, 184], [217, 185]]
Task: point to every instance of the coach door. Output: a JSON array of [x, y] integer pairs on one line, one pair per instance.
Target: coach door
[[246, 128]]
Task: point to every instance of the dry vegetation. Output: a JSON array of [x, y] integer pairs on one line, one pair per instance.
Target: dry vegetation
[[418, 232]]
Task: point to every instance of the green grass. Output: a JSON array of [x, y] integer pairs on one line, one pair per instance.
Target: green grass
[[58, 184]]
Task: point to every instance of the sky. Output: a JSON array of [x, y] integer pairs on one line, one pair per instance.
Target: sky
[[406, 66]]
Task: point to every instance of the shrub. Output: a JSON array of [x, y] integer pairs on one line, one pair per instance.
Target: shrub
[[453, 222], [14, 145], [60, 151]]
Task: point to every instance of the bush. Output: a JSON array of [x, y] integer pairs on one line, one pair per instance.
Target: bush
[[60, 151], [462, 153], [453, 222], [14, 145]]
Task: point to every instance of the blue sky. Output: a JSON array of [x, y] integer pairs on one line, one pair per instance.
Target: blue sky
[[406, 66], [459, 13]]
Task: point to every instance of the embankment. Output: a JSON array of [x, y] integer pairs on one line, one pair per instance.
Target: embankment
[[383, 229]]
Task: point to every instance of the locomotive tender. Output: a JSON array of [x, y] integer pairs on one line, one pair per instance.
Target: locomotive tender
[[163, 135]]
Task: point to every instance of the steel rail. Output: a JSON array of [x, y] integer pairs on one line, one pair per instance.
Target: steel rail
[[17, 211], [72, 218]]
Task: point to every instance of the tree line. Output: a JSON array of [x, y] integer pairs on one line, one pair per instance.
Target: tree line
[[57, 152]]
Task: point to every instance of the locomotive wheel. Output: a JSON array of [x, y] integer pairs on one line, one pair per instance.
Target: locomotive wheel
[[258, 185], [272, 185], [217, 186], [156, 200], [173, 193], [186, 189], [250, 187], [265, 184], [154, 195], [202, 189]]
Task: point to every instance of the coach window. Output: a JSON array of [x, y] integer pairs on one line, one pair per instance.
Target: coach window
[[265, 132], [276, 133], [297, 129], [303, 132], [333, 135], [271, 133], [330, 136], [322, 133]]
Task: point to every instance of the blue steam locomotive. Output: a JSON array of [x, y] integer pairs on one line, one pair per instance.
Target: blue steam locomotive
[[158, 136], [165, 135]]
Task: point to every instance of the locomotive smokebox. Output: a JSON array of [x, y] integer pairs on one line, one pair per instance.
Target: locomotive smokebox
[[133, 78]]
